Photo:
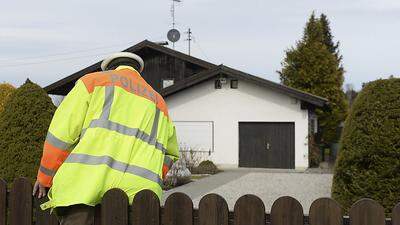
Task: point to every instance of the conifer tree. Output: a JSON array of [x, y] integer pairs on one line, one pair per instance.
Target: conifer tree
[[328, 40], [23, 128], [311, 66]]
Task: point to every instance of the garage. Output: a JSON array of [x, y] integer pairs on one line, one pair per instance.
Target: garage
[[266, 145]]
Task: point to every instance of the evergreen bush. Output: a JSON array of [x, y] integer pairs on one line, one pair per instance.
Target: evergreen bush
[[368, 164], [5, 91], [23, 128], [206, 167]]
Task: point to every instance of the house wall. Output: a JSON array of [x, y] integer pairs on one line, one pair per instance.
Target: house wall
[[227, 107]]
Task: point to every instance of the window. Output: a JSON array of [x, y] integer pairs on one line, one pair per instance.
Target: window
[[195, 135], [234, 84], [314, 125], [167, 82], [218, 84]]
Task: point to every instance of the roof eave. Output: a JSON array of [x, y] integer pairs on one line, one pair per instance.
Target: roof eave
[[298, 94], [221, 69], [90, 69], [190, 81]]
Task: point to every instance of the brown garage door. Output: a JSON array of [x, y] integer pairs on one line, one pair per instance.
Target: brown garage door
[[266, 145]]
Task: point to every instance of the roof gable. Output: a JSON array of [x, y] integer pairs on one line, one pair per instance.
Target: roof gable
[[224, 70], [160, 61]]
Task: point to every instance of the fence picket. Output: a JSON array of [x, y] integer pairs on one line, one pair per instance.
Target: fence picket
[[286, 211], [396, 214], [178, 210], [213, 210], [325, 211], [146, 208], [367, 212], [114, 208], [97, 214], [43, 217], [3, 202], [21, 202], [249, 210]]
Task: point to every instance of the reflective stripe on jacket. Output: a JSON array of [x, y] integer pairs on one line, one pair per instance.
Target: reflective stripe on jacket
[[111, 131]]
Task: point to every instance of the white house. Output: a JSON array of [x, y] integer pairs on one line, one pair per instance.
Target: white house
[[242, 120], [233, 118]]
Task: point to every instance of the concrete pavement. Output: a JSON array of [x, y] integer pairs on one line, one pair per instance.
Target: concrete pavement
[[267, 184]]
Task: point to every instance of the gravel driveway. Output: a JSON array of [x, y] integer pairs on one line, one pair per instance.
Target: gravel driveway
[[269, 185]]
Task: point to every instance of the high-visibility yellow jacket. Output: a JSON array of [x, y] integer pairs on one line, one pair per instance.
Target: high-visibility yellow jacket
[[111, 131]]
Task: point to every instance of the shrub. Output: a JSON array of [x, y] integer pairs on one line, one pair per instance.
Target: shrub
[[23, 128], [368, 164], [5, 91], [178, 175], [206, 167], [191, 156]]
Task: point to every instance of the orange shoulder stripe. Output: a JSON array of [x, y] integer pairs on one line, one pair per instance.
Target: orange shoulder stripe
[[162, 105], [128, 80], [92, 80]]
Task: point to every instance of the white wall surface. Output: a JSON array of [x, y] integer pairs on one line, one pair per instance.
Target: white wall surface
[[227, 107], [195, 135]]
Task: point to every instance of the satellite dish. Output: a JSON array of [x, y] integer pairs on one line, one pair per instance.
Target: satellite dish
[[173, 35]]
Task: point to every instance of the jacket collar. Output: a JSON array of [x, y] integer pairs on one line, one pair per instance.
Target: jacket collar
[[126, 67]]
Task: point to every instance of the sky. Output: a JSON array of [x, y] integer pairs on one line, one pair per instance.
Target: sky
[[48, 40]]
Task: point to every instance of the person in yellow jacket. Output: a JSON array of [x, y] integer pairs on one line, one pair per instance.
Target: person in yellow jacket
[[111, 131]]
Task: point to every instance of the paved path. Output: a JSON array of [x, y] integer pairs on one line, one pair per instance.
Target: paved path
[[269, 185]]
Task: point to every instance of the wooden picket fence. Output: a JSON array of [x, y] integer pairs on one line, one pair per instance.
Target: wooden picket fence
[[22, 209]]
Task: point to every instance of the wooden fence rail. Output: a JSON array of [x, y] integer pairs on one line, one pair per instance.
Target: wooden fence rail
[[19, 208]]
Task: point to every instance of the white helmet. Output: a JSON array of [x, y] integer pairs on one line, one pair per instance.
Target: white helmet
[[130, 55]]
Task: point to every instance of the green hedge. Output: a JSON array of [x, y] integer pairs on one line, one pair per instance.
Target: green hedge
[[368, 164], [23, 128], [5, 91]]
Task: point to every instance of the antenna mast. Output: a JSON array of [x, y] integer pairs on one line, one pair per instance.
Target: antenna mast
[[173, 14], [173, 17], [189, 39]]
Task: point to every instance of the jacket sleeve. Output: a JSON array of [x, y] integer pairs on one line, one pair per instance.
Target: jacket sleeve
[[64, 132], [172, 153]]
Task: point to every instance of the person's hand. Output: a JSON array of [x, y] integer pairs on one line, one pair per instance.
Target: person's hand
[[40, 189]]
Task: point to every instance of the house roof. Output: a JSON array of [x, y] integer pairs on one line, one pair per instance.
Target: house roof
[[171, 52], [134, 49], [225, 70], [210, 71]]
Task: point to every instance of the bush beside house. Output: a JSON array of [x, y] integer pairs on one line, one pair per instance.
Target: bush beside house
[[206, 167], [368, 164], [23, 128], [190, 162]]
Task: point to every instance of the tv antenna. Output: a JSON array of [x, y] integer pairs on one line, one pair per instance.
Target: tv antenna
[[173, 34], [189, 39]]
